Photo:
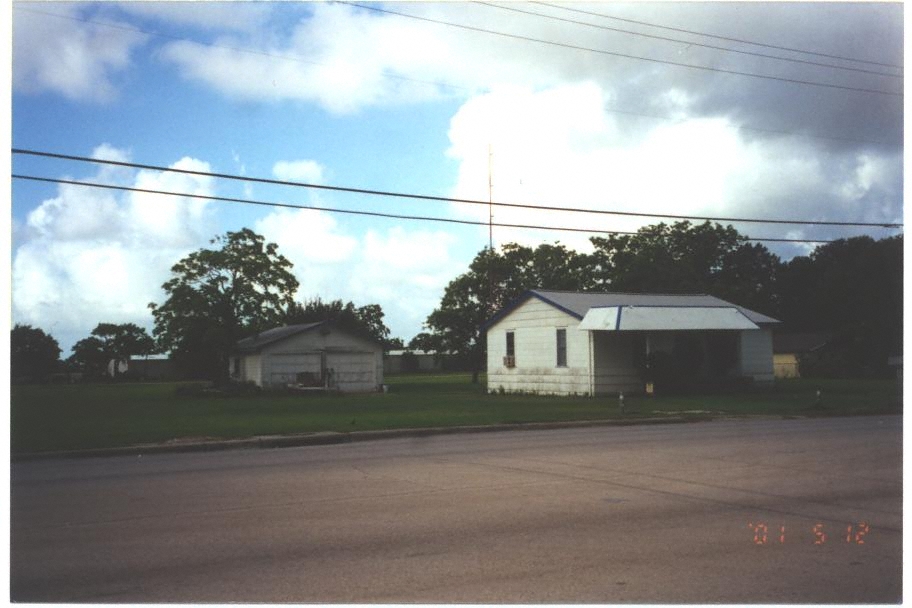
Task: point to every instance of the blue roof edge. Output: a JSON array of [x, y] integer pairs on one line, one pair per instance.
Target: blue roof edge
[[521, 299]]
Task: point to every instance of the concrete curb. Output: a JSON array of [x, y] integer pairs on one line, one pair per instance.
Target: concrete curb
[[331, 437]]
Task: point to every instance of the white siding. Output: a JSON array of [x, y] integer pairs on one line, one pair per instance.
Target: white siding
[[756, 351], [250, 369], [534, 325]]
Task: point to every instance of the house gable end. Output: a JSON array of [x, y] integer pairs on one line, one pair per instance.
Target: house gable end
[[522, 299]]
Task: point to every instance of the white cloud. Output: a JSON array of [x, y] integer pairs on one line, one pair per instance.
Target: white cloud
[[560, 147], [307, 238], [88, 256], [344, 59], [308, 171], [76, 59], [403, 271]]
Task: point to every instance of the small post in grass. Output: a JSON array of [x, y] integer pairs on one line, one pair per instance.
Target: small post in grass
[[621, 401], [818, 402]]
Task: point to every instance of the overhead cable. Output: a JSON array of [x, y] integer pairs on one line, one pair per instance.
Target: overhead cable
[[513, 8], [246, 201], [623, 55], [446, 199], [718, 37]]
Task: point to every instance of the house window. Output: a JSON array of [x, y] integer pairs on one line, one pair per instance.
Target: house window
[[562, 348], [510, 359]]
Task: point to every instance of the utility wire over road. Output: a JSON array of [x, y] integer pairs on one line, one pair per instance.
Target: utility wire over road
[[514, 9], [359, 212], [564, 7], [623, 55], [406, 195]]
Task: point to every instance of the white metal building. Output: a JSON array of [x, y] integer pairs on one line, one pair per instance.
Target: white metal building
[[413, 360], [312, 355], [565, 343]]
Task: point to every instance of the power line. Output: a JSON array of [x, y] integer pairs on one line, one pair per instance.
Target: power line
[[687, 42], [360, 212], [412, 196], [718, 37], [616, 54]]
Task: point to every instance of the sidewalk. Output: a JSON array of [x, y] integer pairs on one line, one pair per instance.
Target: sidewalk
[[329, 438]]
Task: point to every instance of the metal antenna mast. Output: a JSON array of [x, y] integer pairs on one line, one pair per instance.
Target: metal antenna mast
[[490, 198]]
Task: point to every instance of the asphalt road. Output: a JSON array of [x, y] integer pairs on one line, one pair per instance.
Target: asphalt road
[[768, 511]]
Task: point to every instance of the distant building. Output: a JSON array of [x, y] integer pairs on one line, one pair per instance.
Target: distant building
[[152, 367], [565, 343], [789, 348], [311, 355], [412, 360]]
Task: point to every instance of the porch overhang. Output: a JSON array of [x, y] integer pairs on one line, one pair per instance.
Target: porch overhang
[[665, 318]]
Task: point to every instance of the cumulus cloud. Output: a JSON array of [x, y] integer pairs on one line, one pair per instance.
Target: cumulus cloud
[[87, 256], [560, 147], [345, 59], [307, 238], [75, 59], [405, 271]]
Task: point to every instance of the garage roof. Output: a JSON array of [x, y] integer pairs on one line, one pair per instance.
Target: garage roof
[[270, 336], [665, 318]]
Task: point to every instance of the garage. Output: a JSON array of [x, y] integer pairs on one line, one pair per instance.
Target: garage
[[309, 356]]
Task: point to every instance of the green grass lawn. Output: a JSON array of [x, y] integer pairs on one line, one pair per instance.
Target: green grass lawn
[[72, 417]]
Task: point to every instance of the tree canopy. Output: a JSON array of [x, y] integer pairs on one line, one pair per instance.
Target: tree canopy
[[687, 258], [110, 342], [218, 296], [852, 287], [494, 279], [366, 321], [34, 354]]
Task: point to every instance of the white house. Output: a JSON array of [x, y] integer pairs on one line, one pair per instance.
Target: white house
[[312, 355], [565, 343]]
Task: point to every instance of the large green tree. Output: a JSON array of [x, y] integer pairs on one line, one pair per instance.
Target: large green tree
[[494, 279], [366, 321], [110, 342], [217, 296], [34, 354], [688, 258], [851, 289]]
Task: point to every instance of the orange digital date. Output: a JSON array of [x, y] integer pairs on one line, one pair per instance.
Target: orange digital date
[[766, 534]]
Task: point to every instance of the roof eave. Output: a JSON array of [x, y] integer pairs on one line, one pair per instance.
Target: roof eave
[[520, 300]]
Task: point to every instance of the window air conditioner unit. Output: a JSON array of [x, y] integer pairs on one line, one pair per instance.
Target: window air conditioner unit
[[509, 361]]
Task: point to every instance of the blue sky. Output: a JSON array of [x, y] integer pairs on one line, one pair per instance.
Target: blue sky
[[342, 95]]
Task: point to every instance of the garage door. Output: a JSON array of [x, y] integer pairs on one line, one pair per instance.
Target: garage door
[[284, 369], [353, 371]]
